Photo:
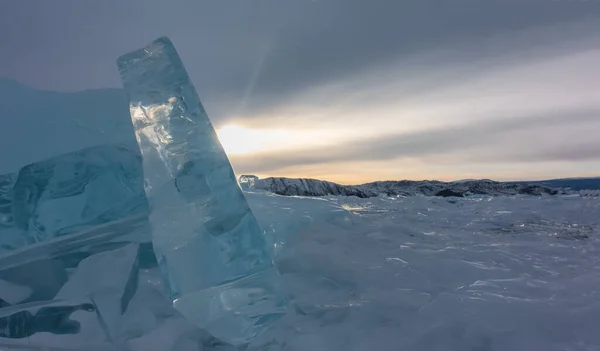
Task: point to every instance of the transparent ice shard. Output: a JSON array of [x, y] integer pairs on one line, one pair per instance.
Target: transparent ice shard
[[213, 254], [72, 292], [7, 182], [10, 236], [69, 193], [110, 278], [247, 182]]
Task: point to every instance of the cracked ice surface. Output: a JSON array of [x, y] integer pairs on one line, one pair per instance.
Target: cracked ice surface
[[426, 273], [417, 273], [213, 254]]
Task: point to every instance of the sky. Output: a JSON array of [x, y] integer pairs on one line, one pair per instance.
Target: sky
[[350, 90]]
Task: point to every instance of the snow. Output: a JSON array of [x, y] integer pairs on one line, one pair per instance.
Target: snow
[[424, 273], [385, 273]]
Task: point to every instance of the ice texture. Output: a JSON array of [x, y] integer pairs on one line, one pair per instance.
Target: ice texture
[[53, 324], [424, 273], [409, 273], [287, 219], [7, 182], [72, 292], [214, 256], [97, 289], [9, 235], [247, 181], [69, 193]]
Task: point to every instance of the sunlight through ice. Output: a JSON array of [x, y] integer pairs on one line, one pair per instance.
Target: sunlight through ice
[[212, 252]]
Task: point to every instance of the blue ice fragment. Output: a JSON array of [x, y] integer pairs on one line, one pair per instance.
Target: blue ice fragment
[[72, 292], [10, 236], [7, 182], [247, 182], [110, 278], [213, 254], [70, 192]]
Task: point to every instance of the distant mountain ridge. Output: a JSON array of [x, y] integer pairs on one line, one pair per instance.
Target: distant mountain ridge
[[569, 183], [315, 187]]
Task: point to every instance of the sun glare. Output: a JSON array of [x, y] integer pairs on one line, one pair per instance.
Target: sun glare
[[240, 140], [237, 140]]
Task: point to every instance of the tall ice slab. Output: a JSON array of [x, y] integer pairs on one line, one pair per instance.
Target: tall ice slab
[[212, 252]]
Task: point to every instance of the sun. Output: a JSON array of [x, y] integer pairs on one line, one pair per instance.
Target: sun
[[238, 140]]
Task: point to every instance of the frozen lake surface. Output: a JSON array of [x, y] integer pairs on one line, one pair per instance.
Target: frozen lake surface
[[425, 273], [415, 273]]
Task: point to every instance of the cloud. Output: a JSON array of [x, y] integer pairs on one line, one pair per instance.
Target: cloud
[[254, 53], [467, 84], [496, 140], [526, 105]]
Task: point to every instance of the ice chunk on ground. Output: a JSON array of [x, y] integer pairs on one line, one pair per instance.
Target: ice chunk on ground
[[111, 287], [111, 272], [10, 236], [247, 182], [71, 192], [212, 251], [72, 292], [7, 182]]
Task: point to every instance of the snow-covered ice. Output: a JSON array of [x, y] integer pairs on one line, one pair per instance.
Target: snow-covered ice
[[414, 273], [426, 273]]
